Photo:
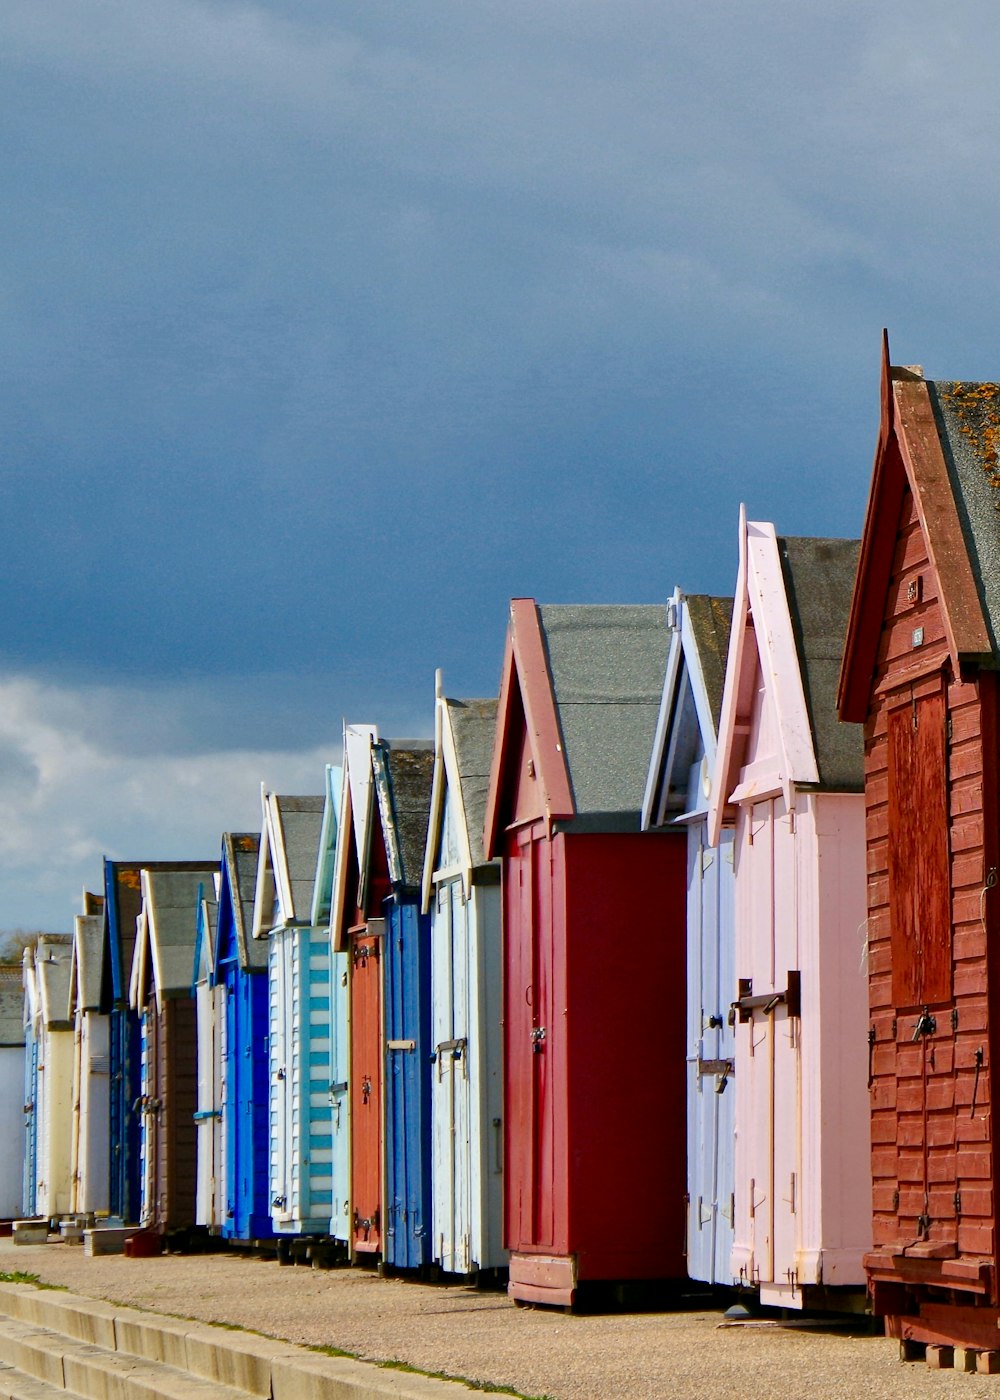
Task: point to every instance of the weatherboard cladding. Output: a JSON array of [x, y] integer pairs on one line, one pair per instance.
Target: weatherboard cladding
[[969, 441], [819, 583], [710, 620], [607, 664], [240, 851], [473, 728]]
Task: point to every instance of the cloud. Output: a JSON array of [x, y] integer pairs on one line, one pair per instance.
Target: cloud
[[76, 785]]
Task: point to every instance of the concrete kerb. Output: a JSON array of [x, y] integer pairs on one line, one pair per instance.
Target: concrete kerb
[[215, 1358]]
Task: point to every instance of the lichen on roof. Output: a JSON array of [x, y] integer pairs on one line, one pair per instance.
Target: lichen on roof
[[977, 408]]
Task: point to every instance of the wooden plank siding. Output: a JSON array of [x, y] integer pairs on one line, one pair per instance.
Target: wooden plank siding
[[933, 1163], [176, 1088]]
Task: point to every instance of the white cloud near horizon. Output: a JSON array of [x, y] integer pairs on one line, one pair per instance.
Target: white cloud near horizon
[[72, 796]]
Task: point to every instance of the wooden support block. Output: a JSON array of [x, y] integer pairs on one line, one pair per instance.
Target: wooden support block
[[988, 1363], [940, 1358], [909, 1350], [965, 1359]]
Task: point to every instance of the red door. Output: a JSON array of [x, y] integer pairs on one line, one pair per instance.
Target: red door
[[529, 1030], [366, 1088]]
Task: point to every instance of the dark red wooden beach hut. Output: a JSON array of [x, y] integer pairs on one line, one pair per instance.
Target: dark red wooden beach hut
[[594, 939], [921, 672]]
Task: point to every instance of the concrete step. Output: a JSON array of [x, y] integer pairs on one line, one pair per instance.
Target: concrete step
[[83, 1347]]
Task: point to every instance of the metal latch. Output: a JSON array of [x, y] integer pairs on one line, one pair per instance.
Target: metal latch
[[537, 1039], [746, 1003]]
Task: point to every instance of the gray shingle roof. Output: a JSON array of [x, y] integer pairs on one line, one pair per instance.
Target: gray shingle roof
[[473, 726], [301, 820], [819, 583], [711, 620], [11, 1007], [607, 664], [173, 925], [240, 850], [53, 956], [410, 766], [88, 951], [965, 415]]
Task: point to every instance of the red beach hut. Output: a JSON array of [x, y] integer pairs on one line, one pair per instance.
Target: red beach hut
[[921, 672], [594, 1021]]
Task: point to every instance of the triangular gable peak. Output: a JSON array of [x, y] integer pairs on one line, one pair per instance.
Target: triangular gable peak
[[53, 958], [401, 771], [85, 974], [206, 941], [350, 866], [687, 725], [237, 884], [458, 790], [326, 859], [286, 866], [936, 441], [529, 778], [29, 981], [168, 930], [763, 696]]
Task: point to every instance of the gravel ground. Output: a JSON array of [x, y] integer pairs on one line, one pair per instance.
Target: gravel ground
[[463, 1332]]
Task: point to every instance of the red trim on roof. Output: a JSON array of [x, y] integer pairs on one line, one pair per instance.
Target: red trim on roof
[[909, 452], [527, 697]]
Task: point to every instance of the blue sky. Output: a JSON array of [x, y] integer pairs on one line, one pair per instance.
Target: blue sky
[[327, 328]]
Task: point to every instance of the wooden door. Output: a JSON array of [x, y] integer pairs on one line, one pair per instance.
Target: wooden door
[[921, 941], [529, 1027], [366, 1089], [711, 1084], [279, 994], [340, 1058], [768, 1175], [149, 1111], [452, 1159], [406, 990]]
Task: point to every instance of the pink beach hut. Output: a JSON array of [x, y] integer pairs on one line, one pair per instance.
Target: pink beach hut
[[789, 780]]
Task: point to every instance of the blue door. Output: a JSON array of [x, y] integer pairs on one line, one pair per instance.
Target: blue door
[[407, 1086]]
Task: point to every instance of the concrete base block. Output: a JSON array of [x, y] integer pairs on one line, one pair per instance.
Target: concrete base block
[[988, 1363], [964, 1359], [107, 1240], [940, 1358], [30, 1231]]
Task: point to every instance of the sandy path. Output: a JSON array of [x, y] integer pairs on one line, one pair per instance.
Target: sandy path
[[457, 1330]]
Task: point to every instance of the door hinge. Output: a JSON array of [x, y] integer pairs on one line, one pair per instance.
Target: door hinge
[[895, 1199], [954, 1018], [956, 1201]]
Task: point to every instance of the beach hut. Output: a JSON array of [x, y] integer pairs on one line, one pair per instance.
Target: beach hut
[[53, 1076], [300, 1186], [12, 1099], [160, 992], [240, 975], [210, 1017], [461, 892], [788, 780], [122, 906], [593, 1034], [677, 793], [402, 772], [920, 674], [357, 926], [334, 821], [91, 1129], [29, 1025]]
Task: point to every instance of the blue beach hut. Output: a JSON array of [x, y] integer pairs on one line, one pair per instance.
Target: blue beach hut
[[402, 773], [240, 968], [300, 1184], [677, 793]]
